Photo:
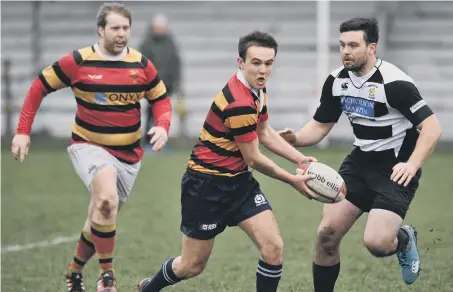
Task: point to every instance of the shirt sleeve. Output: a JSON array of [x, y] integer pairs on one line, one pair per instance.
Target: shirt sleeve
[[158, 98], [156, 89], [405, 97], [329, 109], [242, 122], [52, 78], [59, 74]]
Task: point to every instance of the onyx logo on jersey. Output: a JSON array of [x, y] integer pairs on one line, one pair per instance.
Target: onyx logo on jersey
[[125, 96]]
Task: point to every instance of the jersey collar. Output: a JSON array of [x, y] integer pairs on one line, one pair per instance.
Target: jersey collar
[[98, 51], [257, 94]]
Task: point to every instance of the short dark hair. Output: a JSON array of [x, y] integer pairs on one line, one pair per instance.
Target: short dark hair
[[369, 26], [113, 7], [256, 38]]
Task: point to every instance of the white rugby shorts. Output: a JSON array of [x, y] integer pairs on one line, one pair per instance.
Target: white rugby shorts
[[88, 159]]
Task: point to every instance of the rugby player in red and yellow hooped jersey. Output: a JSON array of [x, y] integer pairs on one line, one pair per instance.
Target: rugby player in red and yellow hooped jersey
[[108, 80], [218, 190]]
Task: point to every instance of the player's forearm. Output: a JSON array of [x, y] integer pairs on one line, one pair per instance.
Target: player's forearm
[[267, 167], [32, 102], [275, 143], [429, 136], [312, 133], [162, 113]]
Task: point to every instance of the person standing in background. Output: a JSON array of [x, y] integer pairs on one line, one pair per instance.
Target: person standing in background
[[160, 47]]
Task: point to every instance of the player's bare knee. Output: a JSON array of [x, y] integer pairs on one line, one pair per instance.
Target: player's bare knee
[[376, 250], [196, 270], [328, 240], [379, 247], [272, 252], [193, 268], [107, 205]]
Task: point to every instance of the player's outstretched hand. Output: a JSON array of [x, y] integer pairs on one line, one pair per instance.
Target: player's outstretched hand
[[289, 135], [300, 185], [20, 146], [403, 172], [158, 137]]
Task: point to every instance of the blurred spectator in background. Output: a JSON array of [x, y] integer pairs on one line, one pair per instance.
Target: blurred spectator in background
[[159, 46]]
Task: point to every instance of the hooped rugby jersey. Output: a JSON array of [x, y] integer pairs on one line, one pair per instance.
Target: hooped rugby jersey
[[384, 107], [108, 94], [234, 117]]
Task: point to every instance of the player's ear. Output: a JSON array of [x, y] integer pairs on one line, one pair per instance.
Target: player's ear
[[372, 49], [100, 31], [240, 63]]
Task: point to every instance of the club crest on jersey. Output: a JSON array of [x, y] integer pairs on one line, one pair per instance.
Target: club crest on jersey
[[372, 91], [134, 75], [344, 86]]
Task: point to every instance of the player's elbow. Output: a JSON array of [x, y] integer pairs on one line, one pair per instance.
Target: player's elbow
[[265, 139], [323, 128], [251, 161], [250, 152], [432, 127], [262, 135], [253, 158], [312, 133]]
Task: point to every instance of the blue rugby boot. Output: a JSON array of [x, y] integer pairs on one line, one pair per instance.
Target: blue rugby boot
[[409, 259]]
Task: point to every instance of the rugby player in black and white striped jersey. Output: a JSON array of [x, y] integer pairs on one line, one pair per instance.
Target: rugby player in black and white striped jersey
[[395, 133]]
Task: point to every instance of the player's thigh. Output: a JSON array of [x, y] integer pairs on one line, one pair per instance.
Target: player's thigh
[[381, 227], [390, 195], [104, 184], [358, 193], [127, 174], [196, 252], [252, 212], [337, 219], [263, 229], [248, 201], [90, 160]]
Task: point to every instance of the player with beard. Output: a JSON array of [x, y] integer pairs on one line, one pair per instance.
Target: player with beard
[[395, 133], [108, 81], [218, 190]]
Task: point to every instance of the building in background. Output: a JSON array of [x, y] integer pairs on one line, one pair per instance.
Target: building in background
[[416, 36]]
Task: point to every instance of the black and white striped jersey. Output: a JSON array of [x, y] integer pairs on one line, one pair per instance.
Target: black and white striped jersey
[[384, 107]]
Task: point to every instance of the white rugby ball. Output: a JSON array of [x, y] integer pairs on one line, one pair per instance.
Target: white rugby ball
[[328, 184]]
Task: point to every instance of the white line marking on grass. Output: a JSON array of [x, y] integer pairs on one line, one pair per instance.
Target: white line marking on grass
[[56, 241]]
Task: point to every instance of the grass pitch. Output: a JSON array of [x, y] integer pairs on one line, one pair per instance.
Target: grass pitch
[[43, 199]]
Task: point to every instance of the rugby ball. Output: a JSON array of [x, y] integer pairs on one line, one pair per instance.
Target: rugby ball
[[328, 184]]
